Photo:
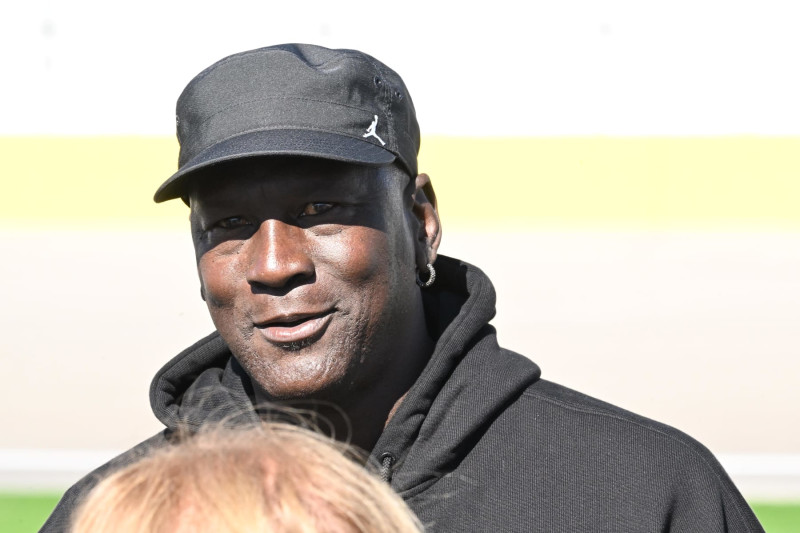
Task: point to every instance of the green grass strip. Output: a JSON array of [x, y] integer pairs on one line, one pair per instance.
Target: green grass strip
[[778, 517], [23, 513]]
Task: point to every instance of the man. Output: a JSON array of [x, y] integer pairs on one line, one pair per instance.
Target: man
[[316, 241]]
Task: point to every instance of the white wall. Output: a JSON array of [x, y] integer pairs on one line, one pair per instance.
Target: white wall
[[616, 67]]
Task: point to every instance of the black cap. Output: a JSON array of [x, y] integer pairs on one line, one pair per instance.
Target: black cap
[[294, 99]]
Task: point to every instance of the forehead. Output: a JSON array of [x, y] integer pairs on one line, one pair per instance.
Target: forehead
[[276, 178]]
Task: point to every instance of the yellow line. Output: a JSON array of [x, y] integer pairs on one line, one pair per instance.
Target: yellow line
[[86, 180], [716, 181], [563, 181]]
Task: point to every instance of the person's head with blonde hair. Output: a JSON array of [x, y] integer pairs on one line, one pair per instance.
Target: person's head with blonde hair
[[275, 477]]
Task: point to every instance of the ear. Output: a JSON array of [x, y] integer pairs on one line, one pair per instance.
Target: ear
[[430, 230]]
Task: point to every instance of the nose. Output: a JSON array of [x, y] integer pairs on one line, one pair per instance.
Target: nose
[[278, 256]]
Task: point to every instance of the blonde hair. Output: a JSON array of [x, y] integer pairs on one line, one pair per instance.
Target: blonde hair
[[275, 477]]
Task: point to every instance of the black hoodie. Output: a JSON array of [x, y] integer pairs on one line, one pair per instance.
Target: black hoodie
[[480, 442]]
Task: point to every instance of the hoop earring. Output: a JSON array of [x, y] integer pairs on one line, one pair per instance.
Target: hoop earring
[[431, 277]]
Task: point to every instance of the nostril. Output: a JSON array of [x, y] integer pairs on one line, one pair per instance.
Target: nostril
[[277, 286]]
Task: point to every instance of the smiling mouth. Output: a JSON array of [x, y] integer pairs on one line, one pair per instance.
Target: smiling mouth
[[296, 331]]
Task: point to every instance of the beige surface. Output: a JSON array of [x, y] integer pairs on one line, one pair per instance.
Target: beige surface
[[695, 329]]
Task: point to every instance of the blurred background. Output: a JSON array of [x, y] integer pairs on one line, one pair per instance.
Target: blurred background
[[626, 172]]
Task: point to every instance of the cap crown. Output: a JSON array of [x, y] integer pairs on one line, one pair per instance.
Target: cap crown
[[295, 99]]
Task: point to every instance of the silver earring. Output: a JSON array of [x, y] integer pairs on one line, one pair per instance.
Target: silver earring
[[431, 277]]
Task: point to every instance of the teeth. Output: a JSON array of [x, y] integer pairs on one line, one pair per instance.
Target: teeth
[[290, 323]]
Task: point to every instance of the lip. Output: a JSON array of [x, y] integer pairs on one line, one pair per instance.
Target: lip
[[298, 327]]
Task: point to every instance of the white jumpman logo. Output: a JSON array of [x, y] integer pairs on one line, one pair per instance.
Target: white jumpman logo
[[371, 131]]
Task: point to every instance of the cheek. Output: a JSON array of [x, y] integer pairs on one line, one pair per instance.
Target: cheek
[[361, 258], [374, 278], [218, 276]]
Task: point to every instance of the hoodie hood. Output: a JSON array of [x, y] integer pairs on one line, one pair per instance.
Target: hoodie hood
[[202, 384], [467, 383], [424, 439]]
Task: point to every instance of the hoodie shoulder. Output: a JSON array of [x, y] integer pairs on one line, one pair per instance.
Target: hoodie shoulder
[[572, 406], [629, 453]]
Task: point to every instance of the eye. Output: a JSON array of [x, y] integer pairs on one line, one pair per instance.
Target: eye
[[232, 223], [315, 208]]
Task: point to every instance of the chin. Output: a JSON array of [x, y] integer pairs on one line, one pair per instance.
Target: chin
[[302, 381]]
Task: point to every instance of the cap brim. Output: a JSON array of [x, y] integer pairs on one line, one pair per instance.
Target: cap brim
[[304, 143]]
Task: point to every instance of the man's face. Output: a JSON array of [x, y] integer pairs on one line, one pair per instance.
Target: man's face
[[308, 270]]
